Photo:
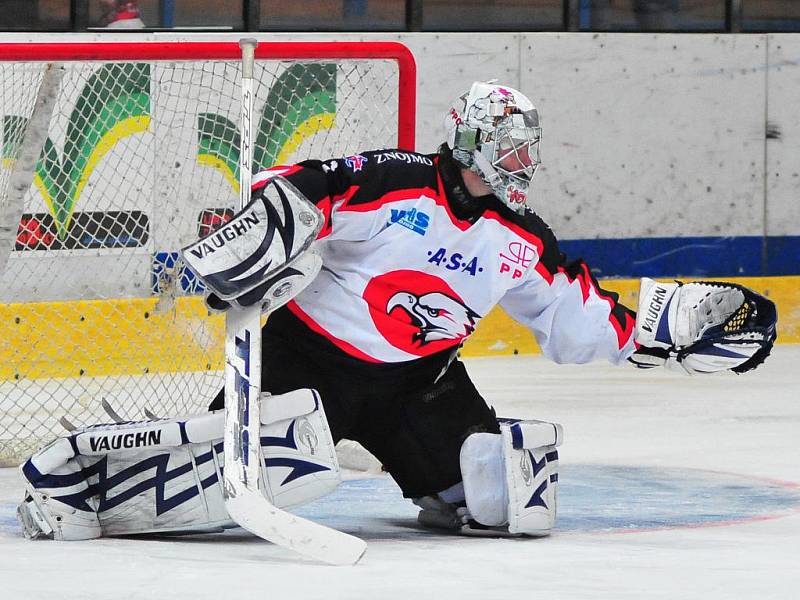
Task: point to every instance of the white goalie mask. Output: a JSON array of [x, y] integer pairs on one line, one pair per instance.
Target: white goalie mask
[[494, 131]]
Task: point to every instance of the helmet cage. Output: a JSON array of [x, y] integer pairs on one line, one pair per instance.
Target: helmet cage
[[515, 149]]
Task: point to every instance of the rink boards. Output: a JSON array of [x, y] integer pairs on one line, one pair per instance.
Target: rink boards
[[139, 336]]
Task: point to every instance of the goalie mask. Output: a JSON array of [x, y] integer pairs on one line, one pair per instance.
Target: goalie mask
[[494, 131]]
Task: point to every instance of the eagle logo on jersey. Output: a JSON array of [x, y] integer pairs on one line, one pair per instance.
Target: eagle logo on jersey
[[418, 312], [438, 316]]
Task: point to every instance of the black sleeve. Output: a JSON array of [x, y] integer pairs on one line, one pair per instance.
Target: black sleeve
[[362, 179]]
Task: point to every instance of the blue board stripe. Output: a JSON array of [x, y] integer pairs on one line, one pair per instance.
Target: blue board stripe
[[740, 256]]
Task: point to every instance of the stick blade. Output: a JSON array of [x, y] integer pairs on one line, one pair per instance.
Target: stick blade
[[256, 514]]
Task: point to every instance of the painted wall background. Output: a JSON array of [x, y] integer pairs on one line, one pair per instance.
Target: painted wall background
[[663, 154]]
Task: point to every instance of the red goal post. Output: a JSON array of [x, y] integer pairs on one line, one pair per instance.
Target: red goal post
[[134, 155]]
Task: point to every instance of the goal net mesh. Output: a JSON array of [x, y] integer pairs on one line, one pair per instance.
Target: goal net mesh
[[138, 160]]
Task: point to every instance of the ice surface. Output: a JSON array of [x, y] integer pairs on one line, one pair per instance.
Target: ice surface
[[671, 487]]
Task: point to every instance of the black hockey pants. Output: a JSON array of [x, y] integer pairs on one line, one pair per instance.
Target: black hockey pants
[[412, 422]]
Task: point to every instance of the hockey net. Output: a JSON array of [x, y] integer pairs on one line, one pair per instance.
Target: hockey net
[[135, 150]]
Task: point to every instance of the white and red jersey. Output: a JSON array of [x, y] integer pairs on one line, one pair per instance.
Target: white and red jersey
[[404, 277]]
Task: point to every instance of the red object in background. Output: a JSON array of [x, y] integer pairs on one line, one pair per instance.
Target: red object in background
[[211, 219], [32, 234]]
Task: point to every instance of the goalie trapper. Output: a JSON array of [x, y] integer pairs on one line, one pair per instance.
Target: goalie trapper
[[703, 327]]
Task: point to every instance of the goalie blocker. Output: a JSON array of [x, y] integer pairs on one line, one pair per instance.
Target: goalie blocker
[[264, 255]]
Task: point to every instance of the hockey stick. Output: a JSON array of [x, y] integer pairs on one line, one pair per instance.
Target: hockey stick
[[243, 498]]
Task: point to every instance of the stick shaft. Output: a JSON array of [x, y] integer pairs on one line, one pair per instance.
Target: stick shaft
[[243, 328], [242, 444]]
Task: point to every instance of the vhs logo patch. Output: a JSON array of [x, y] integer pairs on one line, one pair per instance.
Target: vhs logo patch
[[413, 219]]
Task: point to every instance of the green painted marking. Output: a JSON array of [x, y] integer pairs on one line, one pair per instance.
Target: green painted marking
[[218, 137], [113, 94], [13, 130], [302, 92]]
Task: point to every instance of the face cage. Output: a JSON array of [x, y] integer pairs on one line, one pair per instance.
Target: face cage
[[509, 185], [517, 146]]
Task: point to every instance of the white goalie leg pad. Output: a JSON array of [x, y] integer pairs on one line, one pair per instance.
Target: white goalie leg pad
[[531, 461], [164, 475], [511, 479], [44, 512], [300, 463]]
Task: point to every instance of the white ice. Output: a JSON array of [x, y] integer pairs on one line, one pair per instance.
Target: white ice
[[671, 487]]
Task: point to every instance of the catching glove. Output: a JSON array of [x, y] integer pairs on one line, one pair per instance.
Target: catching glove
[[703, 327]]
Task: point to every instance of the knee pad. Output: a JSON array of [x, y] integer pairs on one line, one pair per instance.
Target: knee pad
[[164, 475]]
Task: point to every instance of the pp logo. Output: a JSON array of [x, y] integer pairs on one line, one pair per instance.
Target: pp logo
[[517, 258], [418, 312], [355, 162]]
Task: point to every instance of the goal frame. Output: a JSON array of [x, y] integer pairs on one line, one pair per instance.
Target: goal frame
[[401, 100]]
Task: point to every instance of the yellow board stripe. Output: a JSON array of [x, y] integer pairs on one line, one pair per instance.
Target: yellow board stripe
[[108, 337], [136, 336]]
